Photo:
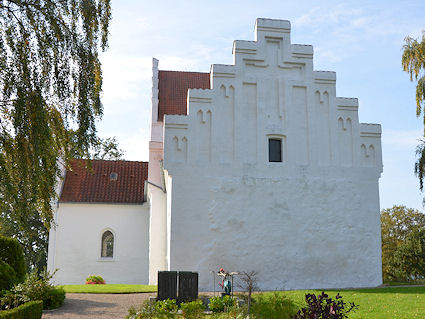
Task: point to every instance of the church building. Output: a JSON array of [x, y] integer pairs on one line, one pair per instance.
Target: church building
[[256, 165]]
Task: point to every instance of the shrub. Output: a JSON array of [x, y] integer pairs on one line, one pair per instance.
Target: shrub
[[145, 311], [275, 306], [324, 307], [11, 253], [29, 310], [95, 280], [166, 308], [193, 310], [7, 276], [220, 304], [159, 310], [38, 287], [55, 298]]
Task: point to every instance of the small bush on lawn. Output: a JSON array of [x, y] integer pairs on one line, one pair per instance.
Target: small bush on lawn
[[29, 310], [193, 310], [324, 307], [7, 276], [38, 287], [11, 253], [220, 304], [95, 280], [275, 306]]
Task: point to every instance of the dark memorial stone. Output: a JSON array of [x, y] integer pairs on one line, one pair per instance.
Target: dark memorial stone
[[187, 285], [167, 285]]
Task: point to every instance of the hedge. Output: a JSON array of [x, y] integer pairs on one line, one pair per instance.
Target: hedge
[[54, 298], [7, 276], [29, 310], [11, 253]]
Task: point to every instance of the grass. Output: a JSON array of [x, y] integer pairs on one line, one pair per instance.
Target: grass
[[109, 289], [378, 303]]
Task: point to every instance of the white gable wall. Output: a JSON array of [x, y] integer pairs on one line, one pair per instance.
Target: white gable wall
[[76, 243], [311, 221]]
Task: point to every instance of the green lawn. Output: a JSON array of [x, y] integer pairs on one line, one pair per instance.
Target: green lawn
[[109, 289], [379, 303]]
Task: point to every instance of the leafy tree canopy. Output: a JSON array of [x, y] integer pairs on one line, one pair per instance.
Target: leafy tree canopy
[[413, 62], [50, 89], [50, 82], [410, 256], [397, 223], [101, 148]]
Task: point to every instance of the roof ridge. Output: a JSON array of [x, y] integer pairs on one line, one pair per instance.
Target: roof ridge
[[184, 71]]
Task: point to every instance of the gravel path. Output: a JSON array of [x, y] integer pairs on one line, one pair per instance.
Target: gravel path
[[96, 306]]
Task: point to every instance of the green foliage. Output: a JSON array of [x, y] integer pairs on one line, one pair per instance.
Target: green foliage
[[51, 81], [413, 62], [396, 225], [7, 276], [192, 310], [29, 310], [145, 311], [31, 234], [410, 256], [95, 279], [220, 304], [12, 254], [274, 306], [164, 309], [38, 287], [103, 149]]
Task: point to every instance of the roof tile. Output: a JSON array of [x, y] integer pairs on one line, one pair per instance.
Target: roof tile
[[173, 86], [94, 185]]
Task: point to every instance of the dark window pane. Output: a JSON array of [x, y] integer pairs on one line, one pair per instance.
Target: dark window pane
[[275, 150], [107, 244]]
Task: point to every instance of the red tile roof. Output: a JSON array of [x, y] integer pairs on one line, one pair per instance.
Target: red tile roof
[[96, 186], [173, 86]]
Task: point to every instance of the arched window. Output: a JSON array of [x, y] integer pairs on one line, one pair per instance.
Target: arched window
[[107, 244]]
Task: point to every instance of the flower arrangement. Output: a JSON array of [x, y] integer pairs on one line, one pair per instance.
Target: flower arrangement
[[225, 283], [95, 280]]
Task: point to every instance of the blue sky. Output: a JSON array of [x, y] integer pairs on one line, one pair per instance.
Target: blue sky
[[360, 40]]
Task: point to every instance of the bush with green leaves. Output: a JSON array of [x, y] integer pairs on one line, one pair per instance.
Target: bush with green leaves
[[29, 310], [220, 304], [274, 306], [166, 308], [11, 253], [7, 276], [95, 280], [192, 310], [38, 287], [324, 307], [163, 309], [145, 311]]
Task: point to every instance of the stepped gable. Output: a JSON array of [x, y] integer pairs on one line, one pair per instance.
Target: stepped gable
[[105, 182], [173, 86]]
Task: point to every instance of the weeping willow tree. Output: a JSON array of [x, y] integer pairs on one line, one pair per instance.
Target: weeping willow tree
[[50, 85], [413, 62]]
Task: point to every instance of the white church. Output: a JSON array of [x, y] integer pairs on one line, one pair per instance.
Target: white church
[[256, 165]]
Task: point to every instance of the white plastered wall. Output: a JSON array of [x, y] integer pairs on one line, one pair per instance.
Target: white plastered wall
[[311, 221], [77, 243]]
